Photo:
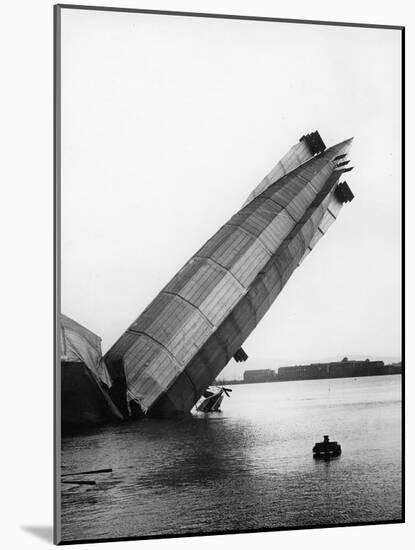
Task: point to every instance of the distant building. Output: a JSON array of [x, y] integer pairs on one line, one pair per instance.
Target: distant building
[[259, 375], [339, 369], [395, 368]]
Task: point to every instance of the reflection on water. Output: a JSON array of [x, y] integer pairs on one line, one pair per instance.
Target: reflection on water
[[249, 467]]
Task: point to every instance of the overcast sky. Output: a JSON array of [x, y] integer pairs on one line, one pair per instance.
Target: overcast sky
[[168, 123]]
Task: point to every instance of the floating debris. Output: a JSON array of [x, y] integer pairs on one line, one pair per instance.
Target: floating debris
[[212, 399], [79, 482], [104, 470]]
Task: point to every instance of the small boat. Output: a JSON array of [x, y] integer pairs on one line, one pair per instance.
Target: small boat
[[212, 399], [327, 449]]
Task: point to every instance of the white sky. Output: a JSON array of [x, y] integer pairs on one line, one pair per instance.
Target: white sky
[[168, 123]]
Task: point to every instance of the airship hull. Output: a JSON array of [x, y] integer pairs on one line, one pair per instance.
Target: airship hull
[[177, 347]]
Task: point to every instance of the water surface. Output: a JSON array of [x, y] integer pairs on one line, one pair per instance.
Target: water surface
[[248, 467]]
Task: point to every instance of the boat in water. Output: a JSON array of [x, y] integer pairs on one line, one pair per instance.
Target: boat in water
[[327, 449]]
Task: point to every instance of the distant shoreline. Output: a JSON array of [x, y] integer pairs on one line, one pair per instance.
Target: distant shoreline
[[238, 382]]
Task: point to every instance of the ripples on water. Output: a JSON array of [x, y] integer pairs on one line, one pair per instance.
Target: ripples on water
[[248, 467]]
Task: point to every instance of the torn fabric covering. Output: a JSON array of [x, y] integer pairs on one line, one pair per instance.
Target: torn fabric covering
[[81, 345]]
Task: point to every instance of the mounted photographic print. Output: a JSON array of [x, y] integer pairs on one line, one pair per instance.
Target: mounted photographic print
[[228, 205]]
